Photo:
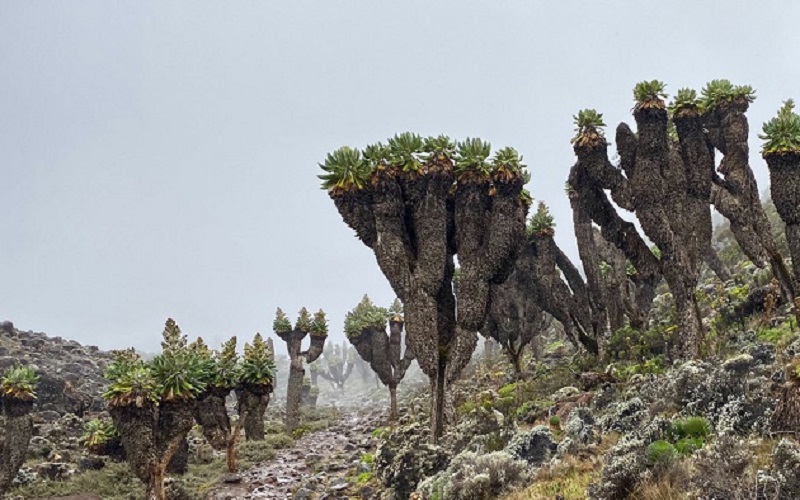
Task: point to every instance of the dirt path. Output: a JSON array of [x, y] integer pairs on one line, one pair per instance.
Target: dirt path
[[321, 465]]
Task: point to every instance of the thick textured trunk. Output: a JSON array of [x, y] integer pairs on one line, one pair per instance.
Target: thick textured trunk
[[155, 484], [516, 360], [251, 402], [230, 450], [212, 415], [294, 394], [717, 266], [785, 190], [179, 463], [393, 399], [18, 432], [437, 403]]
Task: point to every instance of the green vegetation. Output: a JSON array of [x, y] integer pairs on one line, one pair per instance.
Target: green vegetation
[[650, 94], [588, 129], [542, 223], [781, 134], [19, 383], [404, 152], [97, 433], [258, 365], [471, 159], [718, 92], [685, 102], [365, 315], [281, 323], [345, 170], [660, 453]]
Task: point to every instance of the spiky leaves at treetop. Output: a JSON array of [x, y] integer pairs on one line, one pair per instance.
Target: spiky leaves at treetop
[[258, 366], [131, 381], [471, 160], [364, 315], [717, 92], [303, 322], [404, 152], [588, 128], [396, 310], [19, 383], [228, 369], [685, 103], [181, 373], [507, 165], [376, 155], [649, 94], [542, 222], [319, 325], [97, 433], [345, 170], [440, 148], [177, 374], [281, 324], [781, 134]]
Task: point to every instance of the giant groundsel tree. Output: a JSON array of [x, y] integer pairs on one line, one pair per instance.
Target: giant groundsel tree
[[17, 395], [255, 386], [293, 336], [419, 203], [389, 355], [781, 150], [152, 404]]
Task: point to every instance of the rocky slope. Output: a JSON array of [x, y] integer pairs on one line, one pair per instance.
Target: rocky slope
[[71, 375]]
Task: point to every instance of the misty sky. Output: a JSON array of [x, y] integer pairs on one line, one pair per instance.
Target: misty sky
[[160, 158]]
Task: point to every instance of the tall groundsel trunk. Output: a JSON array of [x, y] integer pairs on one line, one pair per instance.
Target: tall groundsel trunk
[[393, 398], [155, 484], [18, 431], [294, 394]]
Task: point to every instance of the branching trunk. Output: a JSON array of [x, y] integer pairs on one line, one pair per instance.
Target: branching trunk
[[151, 435]]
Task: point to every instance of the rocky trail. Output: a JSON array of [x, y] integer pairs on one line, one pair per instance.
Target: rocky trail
[[321, 465]]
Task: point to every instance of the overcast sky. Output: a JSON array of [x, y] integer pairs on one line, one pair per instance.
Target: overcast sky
[[160, 158]]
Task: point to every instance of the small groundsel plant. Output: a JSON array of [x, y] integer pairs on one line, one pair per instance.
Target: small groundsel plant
[[781, 134], [97, 433]]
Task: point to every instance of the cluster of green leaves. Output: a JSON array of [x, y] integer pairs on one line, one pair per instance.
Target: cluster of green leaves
[[639, 345], [685, 101], [717, 92], [97, 432], [281, 324], [258, 365], [404, 152], [304, 321], [19, 383], [130, 380], [782, 132], [683, 438], [396, 310], [344, 170], [348, 169], [228, 371], [177, 374], [319, 325], [649, 94], [542, 222], [589, 126], [440, 148], [472, 157], [220, 368], [364, 315]]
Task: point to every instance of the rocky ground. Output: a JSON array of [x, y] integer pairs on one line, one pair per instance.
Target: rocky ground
[[325, 465]]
